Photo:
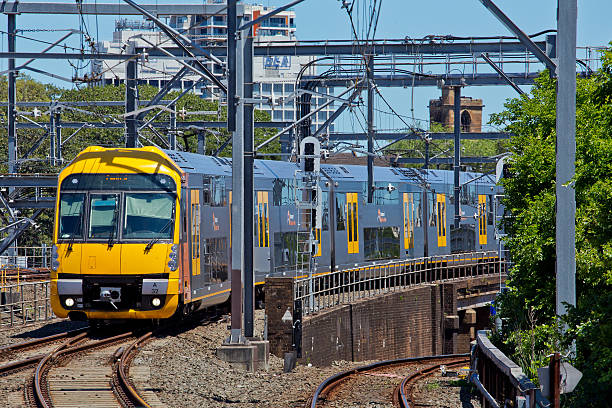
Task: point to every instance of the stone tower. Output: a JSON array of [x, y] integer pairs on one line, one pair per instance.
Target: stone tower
[[441, 111]]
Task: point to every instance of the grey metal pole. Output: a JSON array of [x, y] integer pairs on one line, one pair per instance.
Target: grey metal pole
[[58, 136], [172, 132], [370, 129], [237, 173], [131, 125], [12, 95], [566, 154], [246, 49], [457, 160], [52, 138]]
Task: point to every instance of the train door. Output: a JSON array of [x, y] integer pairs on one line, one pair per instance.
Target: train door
[[261, 252], [102, 255], [441, 218], [195, 238], [317, 235], [408, 211], [482, 219], [185, 253], [352, 218]]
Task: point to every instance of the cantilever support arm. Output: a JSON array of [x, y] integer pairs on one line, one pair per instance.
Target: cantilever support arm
[[497, 69], [276, 136], [524, 38], [337, 113], [20, 230], [178, 39], [167, 88]]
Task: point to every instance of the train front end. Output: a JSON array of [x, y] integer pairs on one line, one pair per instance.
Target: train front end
[[116, 235]]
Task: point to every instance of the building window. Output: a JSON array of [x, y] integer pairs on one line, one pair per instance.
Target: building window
[[466, 121], [288, 88], [288, 115], [381, 243], [278, 88], [266, 89]]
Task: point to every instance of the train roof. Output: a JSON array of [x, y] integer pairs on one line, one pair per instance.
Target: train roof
[[197, 163]]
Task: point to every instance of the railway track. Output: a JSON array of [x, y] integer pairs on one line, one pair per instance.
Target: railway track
[[27, 348], [386, 382], [87, 372], [403, 395]]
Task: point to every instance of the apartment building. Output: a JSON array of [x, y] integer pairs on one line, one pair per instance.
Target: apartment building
[[274, 76]]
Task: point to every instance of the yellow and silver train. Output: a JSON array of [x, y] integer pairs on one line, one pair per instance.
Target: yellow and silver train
[[144, 233]]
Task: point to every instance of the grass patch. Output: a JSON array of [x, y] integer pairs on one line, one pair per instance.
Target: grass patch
[[432, 386]]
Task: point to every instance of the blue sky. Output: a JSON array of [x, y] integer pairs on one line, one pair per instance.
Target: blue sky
[[324, 19]]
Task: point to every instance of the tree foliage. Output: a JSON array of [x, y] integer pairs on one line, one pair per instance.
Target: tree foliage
[[528, 307], [29, 90]]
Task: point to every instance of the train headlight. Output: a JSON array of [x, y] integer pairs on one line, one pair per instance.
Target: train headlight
[[54, 258], [172, 263], [156, 302], [69, 302]]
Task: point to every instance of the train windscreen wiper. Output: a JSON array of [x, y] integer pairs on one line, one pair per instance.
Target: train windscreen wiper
[[111, 238], [74, 234], [153, 241]]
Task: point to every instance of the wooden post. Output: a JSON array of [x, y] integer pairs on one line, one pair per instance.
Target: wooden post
[[555, 380]]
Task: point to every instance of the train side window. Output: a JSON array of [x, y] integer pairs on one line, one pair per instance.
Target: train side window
[[325, 210], [490, 213], [418, 212], [206, 190], [218, 194], [340, 211], [433, 219], [216, 259]]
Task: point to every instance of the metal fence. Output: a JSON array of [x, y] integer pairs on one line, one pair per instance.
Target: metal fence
[[25, 302], [501, 381], [27, 257], [329, 289]]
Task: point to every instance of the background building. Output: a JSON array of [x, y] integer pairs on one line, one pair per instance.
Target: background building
[[274, 76], [441, 111]]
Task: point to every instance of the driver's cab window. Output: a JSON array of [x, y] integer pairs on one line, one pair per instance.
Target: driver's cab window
[[103, 215]]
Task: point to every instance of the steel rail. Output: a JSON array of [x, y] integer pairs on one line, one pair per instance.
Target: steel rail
[[41, 398], [332, 382], [122, 386], [400, 394], [38, 342]]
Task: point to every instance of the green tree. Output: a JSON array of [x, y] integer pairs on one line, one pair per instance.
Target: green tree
[[530, 200], [38, 161], [445, 148]]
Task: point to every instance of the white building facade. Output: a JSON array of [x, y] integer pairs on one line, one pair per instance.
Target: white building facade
[[274, 76]]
